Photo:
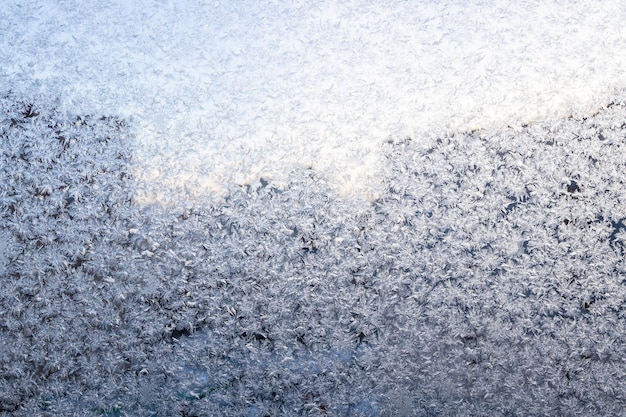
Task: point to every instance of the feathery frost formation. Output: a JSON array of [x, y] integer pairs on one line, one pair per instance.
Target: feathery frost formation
[[226, 91], [488, 279]]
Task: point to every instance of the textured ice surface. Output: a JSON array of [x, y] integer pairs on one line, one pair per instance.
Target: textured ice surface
[[484, 276], [228, 92], [487, 279]]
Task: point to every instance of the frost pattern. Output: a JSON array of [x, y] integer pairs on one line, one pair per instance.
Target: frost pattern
[[487, 280]]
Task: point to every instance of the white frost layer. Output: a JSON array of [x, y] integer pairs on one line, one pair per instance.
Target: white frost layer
[[229, 91]]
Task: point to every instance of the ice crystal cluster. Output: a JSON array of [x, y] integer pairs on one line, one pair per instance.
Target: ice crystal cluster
[[488, 279], [226, 92]]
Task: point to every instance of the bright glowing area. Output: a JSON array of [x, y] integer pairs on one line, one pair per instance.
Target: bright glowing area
[[229, 92]]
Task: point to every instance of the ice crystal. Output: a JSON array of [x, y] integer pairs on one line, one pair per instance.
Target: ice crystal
[[486, 280]]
